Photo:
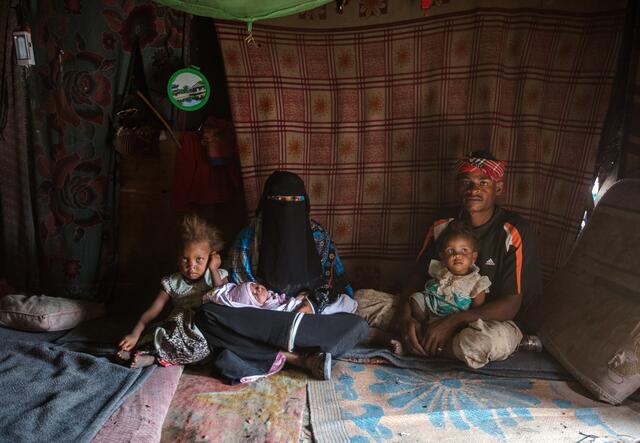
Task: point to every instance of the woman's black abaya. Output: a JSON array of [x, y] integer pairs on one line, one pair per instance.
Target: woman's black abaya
[[245, 342]]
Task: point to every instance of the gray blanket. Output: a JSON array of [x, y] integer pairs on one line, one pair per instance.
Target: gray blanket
[[519, 365], [52, 393]]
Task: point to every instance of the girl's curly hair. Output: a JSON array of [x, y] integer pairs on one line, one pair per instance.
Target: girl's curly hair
[[194, 229], [456, 229]]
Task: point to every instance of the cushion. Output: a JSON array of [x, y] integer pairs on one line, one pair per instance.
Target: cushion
[[591, 307], [43, 313]]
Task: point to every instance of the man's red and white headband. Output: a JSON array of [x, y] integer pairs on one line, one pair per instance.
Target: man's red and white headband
[[493, 169]]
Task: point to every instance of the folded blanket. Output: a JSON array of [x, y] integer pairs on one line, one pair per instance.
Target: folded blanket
[[519, 365], [51, 393]]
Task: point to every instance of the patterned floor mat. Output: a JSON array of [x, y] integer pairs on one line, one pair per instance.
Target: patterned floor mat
[[141, 416], [204, 409], [366, 403]]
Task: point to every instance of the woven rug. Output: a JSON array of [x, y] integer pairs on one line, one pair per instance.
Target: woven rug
[[140, 417], [379, 403], [206, 410]]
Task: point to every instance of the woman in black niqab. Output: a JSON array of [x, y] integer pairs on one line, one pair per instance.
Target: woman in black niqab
[[288, 257], [279, 249]]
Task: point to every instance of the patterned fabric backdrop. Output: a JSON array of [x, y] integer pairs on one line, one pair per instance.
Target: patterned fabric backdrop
[[373, 108], [82, 50]]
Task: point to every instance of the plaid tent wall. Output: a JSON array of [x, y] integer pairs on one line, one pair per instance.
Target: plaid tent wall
[[372, 111]]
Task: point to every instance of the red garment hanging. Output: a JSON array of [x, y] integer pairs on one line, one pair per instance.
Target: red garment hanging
[[195, 181]]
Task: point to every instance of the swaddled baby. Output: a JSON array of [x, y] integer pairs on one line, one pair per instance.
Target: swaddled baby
[[255, 295]]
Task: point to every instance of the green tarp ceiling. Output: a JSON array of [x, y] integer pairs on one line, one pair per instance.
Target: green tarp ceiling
[[243, 10]]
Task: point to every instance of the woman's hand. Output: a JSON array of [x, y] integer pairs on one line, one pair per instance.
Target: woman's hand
[[128, 342]]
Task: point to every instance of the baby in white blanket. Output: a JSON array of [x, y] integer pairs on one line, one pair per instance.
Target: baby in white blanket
[[255, 295]]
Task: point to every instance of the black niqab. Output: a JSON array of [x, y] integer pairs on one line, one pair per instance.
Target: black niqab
[[289, 260]]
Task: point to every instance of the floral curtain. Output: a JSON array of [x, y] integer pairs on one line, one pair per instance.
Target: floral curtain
[[82, 50], [19, 260]]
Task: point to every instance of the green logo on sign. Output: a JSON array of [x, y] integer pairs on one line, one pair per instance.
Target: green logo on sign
[[188, 89]]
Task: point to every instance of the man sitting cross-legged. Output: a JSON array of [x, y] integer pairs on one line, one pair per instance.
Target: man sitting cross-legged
[[506, 254]]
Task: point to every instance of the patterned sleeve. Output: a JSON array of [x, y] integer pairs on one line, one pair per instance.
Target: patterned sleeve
[[340, 278], [239, 258], [334, 276]]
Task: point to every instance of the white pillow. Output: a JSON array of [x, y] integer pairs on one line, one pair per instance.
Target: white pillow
[[43, 313]]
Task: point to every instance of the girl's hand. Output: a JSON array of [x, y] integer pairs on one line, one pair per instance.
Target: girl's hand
[[128, 342], [214, 261]]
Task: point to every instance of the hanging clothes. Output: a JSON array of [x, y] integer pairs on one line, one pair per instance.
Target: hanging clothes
[[218, 139], [195, 181]]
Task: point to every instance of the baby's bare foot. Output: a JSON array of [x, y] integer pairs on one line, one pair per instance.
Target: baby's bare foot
[[306, 307], [123, 356], [141, 360], [396, 347]]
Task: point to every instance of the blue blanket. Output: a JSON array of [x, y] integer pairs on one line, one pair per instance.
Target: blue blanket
[[52, 393]]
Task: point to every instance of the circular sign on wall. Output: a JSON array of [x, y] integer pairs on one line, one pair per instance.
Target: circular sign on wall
[[188, 89]]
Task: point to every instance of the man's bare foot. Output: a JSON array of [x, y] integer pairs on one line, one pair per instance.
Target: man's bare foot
[[123, 356], [141, 360], [396, 347]]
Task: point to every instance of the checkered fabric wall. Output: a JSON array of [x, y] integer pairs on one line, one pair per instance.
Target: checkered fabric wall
[[374, 116]]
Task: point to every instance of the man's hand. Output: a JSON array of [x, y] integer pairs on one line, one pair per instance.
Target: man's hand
[[436, 335]]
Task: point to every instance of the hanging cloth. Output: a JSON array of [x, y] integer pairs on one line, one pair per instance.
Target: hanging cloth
[[195, 181], [218, 138]]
